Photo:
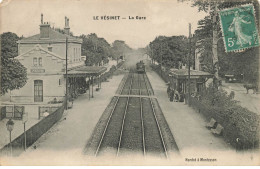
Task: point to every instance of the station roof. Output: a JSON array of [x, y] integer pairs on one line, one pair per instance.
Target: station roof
[[86, 71], [194, 74], [54, 36]]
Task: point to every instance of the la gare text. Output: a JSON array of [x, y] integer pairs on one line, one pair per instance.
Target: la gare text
[[118, 18]]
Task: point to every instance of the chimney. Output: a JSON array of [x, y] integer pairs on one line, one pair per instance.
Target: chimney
[[67, 26], [65, 21], [44, 29], [41, 18]]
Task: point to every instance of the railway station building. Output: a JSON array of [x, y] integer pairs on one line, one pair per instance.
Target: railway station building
[[179, 80], [44, 56]]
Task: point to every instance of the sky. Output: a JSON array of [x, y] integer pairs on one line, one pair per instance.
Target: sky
[[163, 17]]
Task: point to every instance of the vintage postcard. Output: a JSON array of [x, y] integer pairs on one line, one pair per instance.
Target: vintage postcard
[[129, 82]]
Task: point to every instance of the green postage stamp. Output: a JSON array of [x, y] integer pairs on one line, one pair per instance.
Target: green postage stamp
[[239, 28]]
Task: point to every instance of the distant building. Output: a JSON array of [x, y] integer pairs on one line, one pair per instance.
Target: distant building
[[44, 56]]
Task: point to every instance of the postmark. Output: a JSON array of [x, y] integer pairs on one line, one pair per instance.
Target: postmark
[[239, 28]]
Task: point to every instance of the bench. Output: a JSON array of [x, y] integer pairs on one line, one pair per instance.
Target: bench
[[211, 124], [218, 130]]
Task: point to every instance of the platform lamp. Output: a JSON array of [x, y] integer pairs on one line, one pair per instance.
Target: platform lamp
[[24, 120], [10, 127]]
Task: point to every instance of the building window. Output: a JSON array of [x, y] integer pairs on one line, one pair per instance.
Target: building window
[[78, 54], [35, 62], [71, 58], [40, 61], [74, 54], [59, 82]]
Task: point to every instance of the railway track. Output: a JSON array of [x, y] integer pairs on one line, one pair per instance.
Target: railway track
[[157, 123], [136, 128], [113, 110]]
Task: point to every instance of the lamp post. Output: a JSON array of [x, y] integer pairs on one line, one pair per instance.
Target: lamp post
[[161, 57], [66, 95], [10, 126], [189, 89], [25, 118]]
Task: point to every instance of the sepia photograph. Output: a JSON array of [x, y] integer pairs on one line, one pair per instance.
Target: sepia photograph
[[129, 83]]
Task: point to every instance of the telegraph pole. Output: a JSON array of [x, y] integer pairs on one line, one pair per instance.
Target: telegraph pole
[[189, 63], [161, 58], [151, 48], [66, 74]]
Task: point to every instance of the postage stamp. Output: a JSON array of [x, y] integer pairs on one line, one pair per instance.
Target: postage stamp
[[239, 28]]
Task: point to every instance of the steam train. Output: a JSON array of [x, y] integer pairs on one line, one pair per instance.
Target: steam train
[[140, 67]]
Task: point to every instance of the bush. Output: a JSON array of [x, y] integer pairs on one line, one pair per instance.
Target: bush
[[238, 122]]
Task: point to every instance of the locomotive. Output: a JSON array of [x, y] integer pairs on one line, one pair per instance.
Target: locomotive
[[140, 68]]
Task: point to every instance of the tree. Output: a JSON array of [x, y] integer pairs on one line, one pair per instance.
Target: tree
[[62, 31], [170, 50], [9, 47], [13, 73], [96, 50], [119, 48]]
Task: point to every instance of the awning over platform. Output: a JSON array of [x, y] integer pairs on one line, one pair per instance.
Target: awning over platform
[[194, 74], [86, 71]]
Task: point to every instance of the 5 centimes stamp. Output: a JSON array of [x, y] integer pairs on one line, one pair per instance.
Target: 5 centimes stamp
[[239, 28]]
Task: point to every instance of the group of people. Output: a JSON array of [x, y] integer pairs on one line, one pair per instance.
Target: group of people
[[174, 95]]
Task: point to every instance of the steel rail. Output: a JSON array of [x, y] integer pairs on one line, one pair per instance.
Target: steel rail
[[112, 112], [164, 147], [149, 90], [141, 110], [122, 128]]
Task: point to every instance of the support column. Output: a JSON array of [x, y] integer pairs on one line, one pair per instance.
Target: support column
[[89, 87], [100, 82], [73, 79], [184, 86], [177, 85], [92, 86], [76, 85]]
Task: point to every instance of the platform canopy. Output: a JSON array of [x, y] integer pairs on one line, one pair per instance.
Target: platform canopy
[[194, 74], [86, 71]]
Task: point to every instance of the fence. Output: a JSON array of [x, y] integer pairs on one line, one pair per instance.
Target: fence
[[33, 133]]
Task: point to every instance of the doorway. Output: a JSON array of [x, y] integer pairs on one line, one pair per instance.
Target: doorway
[[38, 91]]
